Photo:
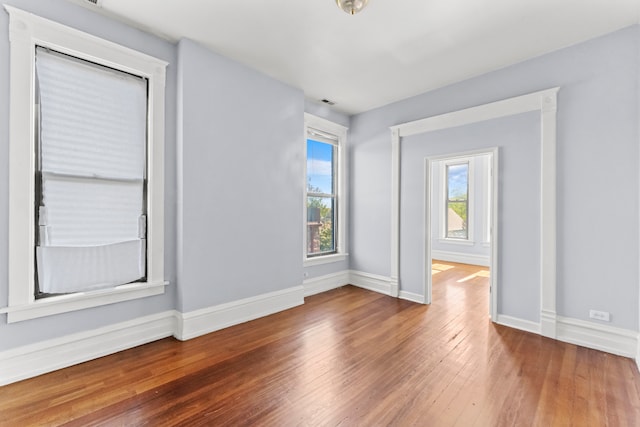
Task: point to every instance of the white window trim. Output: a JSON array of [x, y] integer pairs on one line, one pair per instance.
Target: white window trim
[[315, 122], [25, 32], [487, 177], [469, 241]]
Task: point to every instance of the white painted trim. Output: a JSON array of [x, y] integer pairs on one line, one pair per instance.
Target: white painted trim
[[458, 242], [395, 207], [638, 352], [481, 113], [492, 261], [622, 342], [325, 259], [544, 101], [372, 282], [548, 255], [26, 31], [462, 258], [47, 356], [410, 296], [200, 322], [325, 283], [516, 323], [81, 300]]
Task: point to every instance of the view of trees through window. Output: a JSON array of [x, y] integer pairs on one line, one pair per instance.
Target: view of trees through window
[[457, 202], [321, 198]]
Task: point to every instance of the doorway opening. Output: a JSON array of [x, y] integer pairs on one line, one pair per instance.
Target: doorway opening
[[461, 214]]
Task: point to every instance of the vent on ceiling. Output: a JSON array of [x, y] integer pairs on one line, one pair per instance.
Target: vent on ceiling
[[326, 101], [95, 2]]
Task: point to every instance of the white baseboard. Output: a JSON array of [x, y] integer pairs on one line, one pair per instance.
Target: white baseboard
[[410, 296], [517, 323], [372, 282], [638, 353], [325, 283], [622, 342], [461, 258], [47, 356], [210, 319]]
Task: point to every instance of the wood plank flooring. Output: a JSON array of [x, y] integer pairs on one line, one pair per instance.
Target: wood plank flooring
[[348, 357]]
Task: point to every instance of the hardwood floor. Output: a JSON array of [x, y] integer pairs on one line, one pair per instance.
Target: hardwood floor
[[347, 357]]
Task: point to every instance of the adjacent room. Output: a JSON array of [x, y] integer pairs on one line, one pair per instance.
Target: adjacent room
[[327, 212]]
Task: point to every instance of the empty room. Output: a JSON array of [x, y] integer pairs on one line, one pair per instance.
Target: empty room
[[320, 212]]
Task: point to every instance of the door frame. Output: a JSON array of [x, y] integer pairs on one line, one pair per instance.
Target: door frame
[[429, 204], [544, 102]]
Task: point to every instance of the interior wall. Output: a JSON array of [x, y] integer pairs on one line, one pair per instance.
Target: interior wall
[[31, 331], [597, 159], [241, 151]]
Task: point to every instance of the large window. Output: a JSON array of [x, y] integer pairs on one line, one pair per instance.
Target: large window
[[324, 189], [90, 175], [456, 215], [86, 177]]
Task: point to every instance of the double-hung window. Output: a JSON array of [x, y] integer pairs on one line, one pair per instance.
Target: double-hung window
[[86, 181], [324, 191], [90, 175], [456, 199]]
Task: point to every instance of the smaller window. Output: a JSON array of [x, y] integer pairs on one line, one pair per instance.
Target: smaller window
[[456, 214]]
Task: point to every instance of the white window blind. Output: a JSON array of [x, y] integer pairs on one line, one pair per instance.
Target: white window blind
[[92, 150]]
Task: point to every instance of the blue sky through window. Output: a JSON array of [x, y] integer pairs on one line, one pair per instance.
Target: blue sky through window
[[319, 166], [458, 177]]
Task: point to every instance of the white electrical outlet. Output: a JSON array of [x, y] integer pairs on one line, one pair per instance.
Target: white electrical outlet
[[599, 315]]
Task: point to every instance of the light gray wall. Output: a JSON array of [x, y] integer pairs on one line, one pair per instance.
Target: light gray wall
[[518, 140], [597, 167], [477, 209], [240, 142], [13, 335]]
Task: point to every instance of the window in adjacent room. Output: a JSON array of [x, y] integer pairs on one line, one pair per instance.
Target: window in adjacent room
[[456, 215], [324, 189]]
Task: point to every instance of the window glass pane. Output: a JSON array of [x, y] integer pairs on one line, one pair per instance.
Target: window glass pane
[[457, 181], [457, 220], [320, 225], [457, 201], [320, 167]]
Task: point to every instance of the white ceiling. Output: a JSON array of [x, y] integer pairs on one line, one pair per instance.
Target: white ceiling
[[392, 50]]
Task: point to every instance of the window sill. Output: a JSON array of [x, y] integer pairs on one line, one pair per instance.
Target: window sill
[[81, 300], [457, 242], [324, 259]]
